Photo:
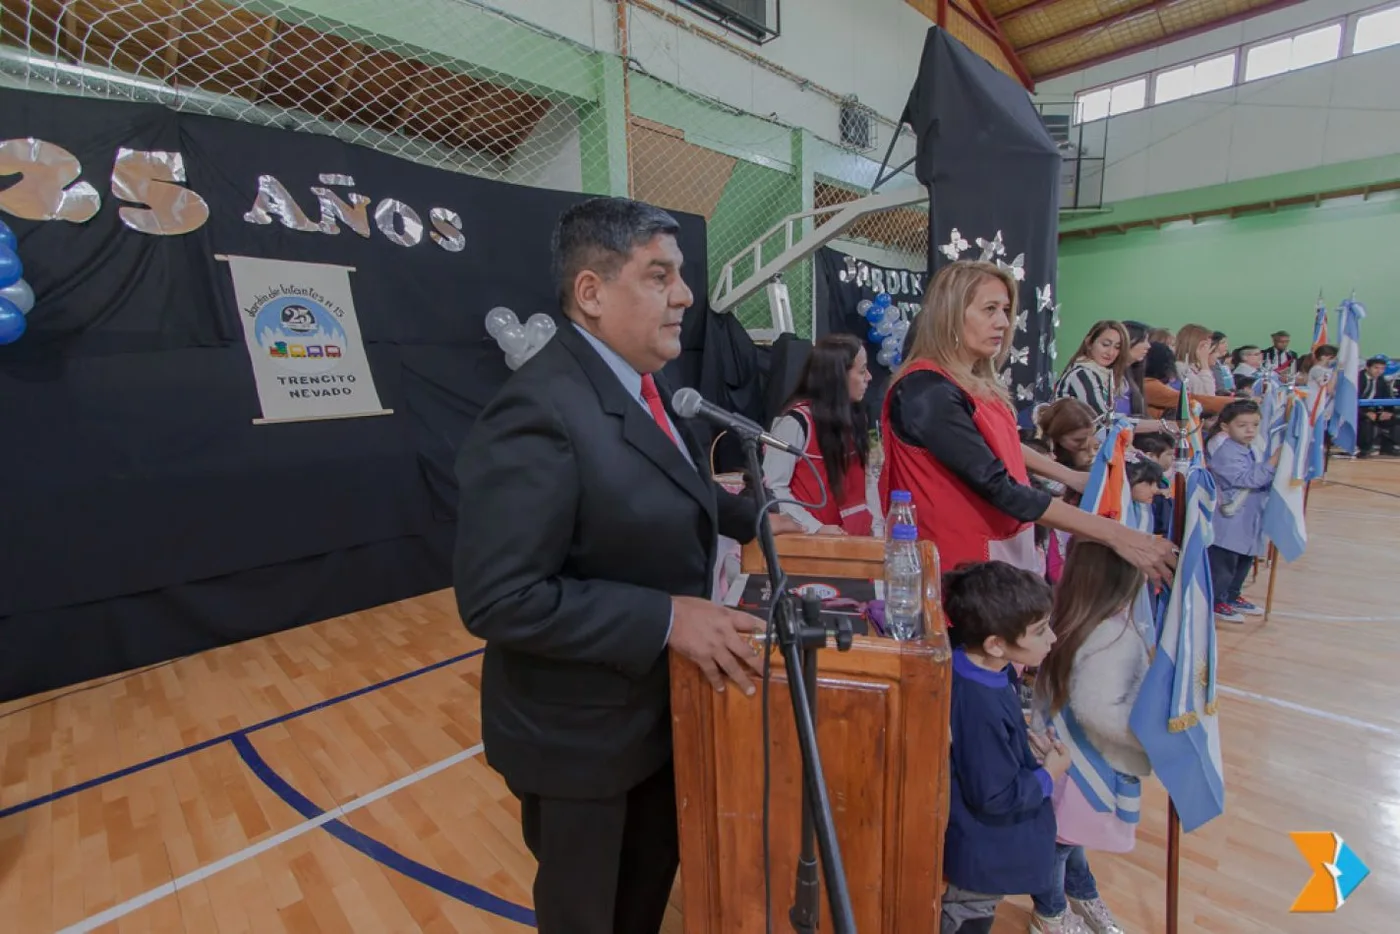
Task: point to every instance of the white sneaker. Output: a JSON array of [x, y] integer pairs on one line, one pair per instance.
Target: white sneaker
[[1096, 916], [1066, 923]]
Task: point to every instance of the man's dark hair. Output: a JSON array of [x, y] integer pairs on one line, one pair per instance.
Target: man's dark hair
[[1375, 360], [993, 598], [599, 235], [1326, 350]]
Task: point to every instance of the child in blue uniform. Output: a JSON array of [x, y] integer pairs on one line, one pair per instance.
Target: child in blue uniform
[[1001, 824]]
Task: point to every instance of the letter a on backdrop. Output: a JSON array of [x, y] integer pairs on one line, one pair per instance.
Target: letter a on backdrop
[[303, 339]]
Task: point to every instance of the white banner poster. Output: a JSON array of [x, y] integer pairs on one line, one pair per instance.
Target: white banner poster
[[304, 340]]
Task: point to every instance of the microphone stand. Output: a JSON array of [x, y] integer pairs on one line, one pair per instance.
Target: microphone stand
[[800, 641]]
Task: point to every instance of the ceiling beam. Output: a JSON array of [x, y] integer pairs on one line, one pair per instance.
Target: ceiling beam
[[988, 24], [1221, 23], [1097, 25], [1031, 7]]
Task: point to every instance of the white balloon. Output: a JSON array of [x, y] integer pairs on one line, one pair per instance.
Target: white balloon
[[885, 327], [894, 314], [20, 295], [498, 319], [515, 361], [884, 357], [513, 340], [891, 345], [538, 330]]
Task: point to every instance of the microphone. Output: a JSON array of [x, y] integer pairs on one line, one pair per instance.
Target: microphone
[[688, 403]]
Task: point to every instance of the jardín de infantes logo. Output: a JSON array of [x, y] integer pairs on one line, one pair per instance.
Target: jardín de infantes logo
[[1337, 871]]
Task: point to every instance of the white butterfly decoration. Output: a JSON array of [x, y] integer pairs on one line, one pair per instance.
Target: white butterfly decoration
[[991, 248], [1025, 393], [1019, 356], [1017, 267], [955, 246]]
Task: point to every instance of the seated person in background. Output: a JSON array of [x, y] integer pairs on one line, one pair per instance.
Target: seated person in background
[[1375, 424], [1247, 366], [826, 418], [1001, 823], [1278, 357], [1161, 385], [1319, 365]]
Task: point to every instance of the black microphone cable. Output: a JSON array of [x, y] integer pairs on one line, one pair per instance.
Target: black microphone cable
[[770, 636]]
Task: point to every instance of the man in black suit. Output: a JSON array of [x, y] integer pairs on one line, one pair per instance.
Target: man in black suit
[[586, 546], [1376, 423]]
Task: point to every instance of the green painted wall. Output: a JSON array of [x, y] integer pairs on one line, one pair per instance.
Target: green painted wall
[[1247, 277]]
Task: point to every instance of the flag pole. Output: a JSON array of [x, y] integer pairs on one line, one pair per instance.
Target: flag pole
[[1178, 529]]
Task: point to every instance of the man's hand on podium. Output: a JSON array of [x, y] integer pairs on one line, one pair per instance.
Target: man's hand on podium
[[712, 636]]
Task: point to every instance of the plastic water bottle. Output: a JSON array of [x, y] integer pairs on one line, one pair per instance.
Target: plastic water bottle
[[904, 584], [901, 512]]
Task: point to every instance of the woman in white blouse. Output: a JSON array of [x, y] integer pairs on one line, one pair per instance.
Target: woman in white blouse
[[825, 418]]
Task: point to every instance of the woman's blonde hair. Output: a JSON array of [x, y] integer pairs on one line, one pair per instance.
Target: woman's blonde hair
[[1188, 341], [936, 334]]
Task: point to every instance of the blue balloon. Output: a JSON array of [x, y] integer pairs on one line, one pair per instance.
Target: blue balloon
[[20, 295], [875, 314], [11, 269], [874, 336], [7, 236], [884, 300], [12, 323]]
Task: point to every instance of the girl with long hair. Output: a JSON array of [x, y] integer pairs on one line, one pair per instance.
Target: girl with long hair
[[951, 439], [1132, 402], [1083, 697], [1161, 383], [1195, 358], [826, 418]]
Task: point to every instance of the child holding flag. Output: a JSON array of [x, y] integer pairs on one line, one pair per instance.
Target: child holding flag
[[1242, 480]]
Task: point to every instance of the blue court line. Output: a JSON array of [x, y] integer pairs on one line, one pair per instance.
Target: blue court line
[[379, 852], [227, 737]]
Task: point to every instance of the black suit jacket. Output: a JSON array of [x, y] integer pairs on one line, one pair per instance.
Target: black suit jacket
[[579, 519]]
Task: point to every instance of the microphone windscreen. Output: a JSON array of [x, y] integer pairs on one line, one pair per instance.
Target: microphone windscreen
[[686, 402]]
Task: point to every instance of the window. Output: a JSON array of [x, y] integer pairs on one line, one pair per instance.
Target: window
[[1107, 102], [1189, 80], [1128, 96], [1377, 31], [1290, 54]]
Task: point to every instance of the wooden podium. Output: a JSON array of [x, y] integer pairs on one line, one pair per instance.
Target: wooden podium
[[882, 726]]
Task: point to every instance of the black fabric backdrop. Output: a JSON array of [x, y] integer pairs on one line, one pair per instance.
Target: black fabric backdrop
[[145, 516], [843, 282], [991, 167]]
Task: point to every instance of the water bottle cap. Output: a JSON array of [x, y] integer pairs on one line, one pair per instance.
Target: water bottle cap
[[901, 496], [905, 533]]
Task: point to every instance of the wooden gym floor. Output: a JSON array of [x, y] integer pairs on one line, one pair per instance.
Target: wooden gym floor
[[330, 778]]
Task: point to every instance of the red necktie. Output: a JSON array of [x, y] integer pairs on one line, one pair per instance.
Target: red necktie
[[658, 411]]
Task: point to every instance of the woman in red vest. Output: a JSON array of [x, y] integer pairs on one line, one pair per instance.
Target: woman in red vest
[[826, 418], [951, 439]]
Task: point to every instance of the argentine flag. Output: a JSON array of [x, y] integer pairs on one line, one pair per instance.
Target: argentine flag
[[1107, 492], [1283, 511], [1176, 715], [1273, 414], [1348, 375]]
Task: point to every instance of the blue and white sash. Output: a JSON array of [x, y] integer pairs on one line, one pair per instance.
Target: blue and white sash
[[1106, 789]]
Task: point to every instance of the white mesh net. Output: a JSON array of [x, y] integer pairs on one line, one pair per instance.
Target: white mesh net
[[464, 87]]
